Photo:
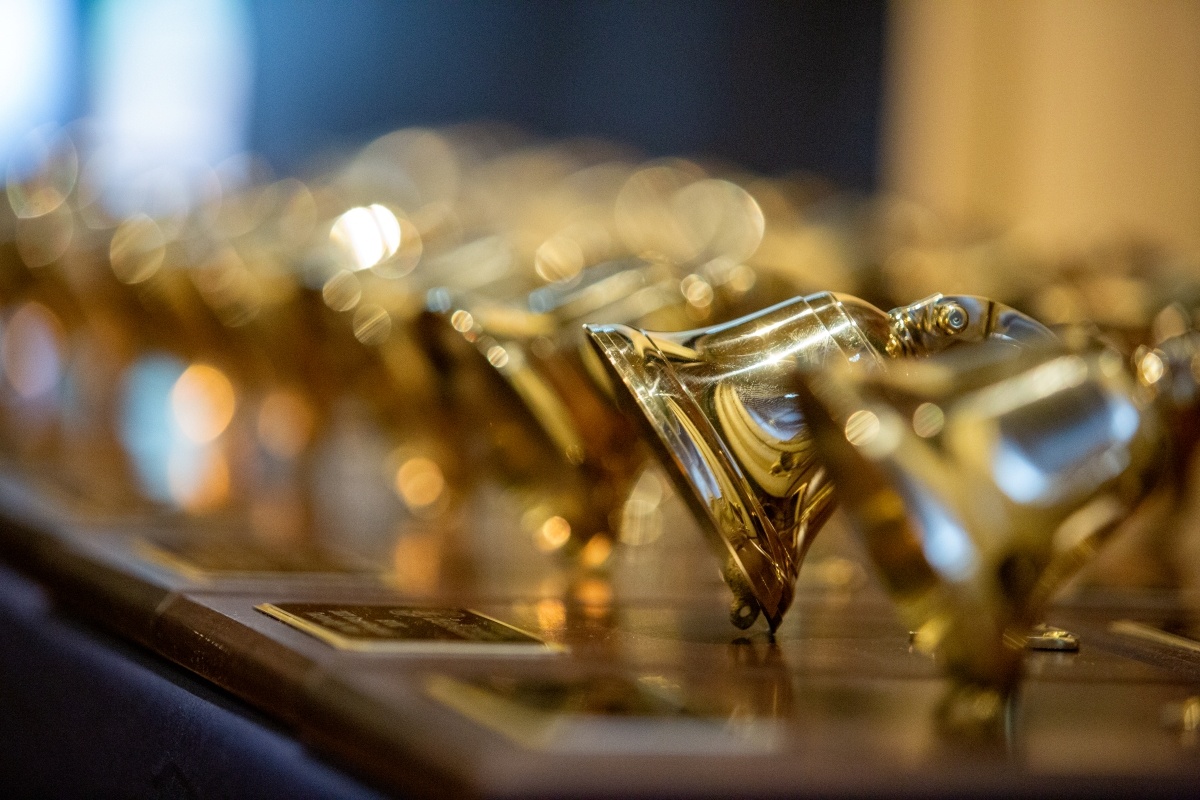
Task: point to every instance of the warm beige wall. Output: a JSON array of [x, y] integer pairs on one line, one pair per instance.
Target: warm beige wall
[[1070, 118]]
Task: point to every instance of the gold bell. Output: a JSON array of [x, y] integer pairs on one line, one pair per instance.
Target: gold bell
[[980, 479], [721, 409], [514, 372]]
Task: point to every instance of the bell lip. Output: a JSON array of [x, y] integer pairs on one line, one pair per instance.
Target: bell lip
[[677, 442]]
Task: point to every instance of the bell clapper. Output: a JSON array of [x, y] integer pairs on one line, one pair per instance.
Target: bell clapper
[[744, 611]]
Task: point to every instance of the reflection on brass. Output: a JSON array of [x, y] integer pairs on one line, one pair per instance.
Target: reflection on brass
[[763, 677], [402, 629], [975, 521], [721, 409]]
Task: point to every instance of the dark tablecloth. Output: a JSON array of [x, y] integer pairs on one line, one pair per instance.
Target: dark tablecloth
[[83, 714]]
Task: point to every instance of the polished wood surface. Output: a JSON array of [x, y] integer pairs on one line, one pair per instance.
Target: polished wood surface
[[649, 695]]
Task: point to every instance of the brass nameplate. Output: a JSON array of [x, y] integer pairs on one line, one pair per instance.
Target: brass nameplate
[[407, 629]]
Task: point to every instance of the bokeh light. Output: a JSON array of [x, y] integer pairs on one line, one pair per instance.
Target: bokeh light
[[420, 483], [33, 351], [552, 534], [368, 235], [203, 402], [285, 423]]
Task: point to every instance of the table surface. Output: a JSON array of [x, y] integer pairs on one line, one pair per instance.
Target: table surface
[[643, 690]]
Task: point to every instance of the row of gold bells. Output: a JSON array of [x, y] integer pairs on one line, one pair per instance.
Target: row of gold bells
[[979, 454], [318, 291]]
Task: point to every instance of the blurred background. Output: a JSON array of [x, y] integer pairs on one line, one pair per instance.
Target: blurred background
[[772, 86], [249, 338], [1062, 118]]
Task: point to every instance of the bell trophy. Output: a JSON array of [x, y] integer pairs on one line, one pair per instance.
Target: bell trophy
[[980, 481], [721, 409]]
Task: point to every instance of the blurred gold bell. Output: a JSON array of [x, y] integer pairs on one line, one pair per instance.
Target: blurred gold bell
[[520, 375], [720, 407], [979, 480]]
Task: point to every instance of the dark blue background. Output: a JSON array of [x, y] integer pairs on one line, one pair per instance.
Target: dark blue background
[[773, 86]]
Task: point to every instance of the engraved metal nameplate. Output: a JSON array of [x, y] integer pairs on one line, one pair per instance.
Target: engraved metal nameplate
[[407, 629]]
